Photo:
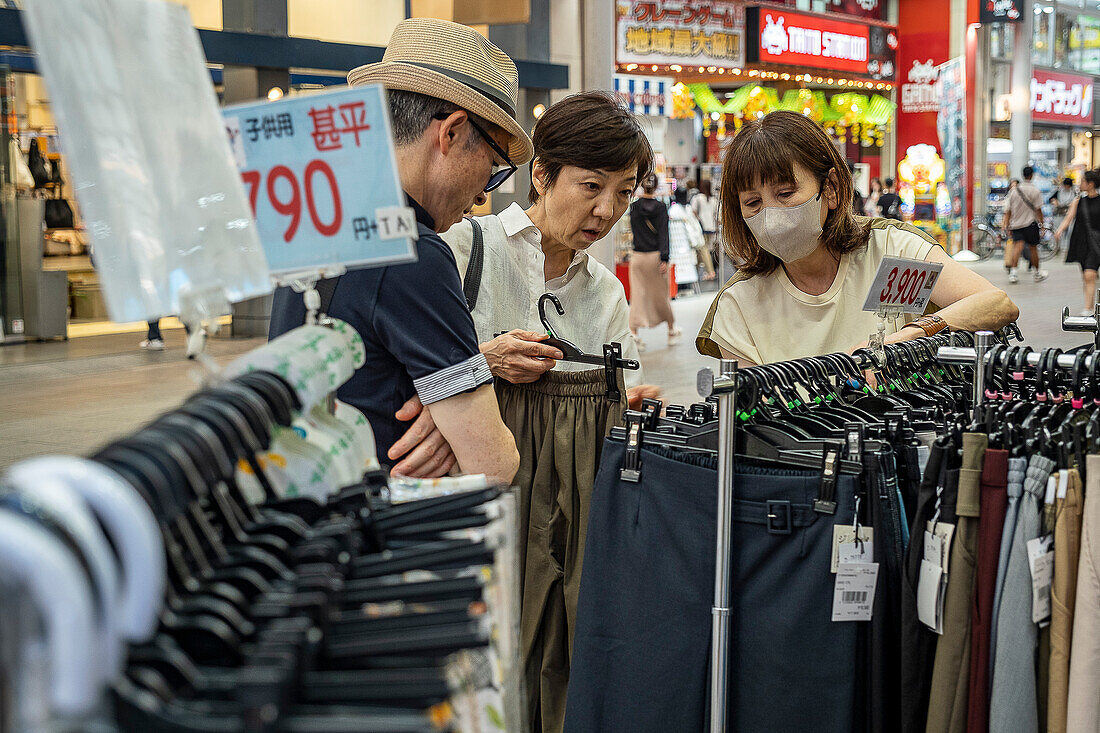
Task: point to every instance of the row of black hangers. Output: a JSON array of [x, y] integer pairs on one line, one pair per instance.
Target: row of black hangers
[[293, 615], [795, 413], [1042, 408]]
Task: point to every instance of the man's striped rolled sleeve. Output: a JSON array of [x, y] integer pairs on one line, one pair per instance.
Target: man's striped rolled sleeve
[[453, 380]]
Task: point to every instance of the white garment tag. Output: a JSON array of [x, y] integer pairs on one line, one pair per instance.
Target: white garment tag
[[854, 591], [931, 590], [1063, 484], [1052, 488], [933, 548], [944, 532], [845, 547], [1040, 556]]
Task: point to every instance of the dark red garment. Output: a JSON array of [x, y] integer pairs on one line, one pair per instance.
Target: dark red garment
[[991, 520]]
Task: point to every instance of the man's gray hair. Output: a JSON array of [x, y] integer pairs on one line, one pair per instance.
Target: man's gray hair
[[412, 112]]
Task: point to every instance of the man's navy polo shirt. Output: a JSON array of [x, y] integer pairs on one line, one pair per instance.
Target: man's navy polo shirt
[[418, 332]]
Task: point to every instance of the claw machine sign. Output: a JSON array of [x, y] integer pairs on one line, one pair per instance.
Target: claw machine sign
[[321, 178], [784, 37], [685, 33]]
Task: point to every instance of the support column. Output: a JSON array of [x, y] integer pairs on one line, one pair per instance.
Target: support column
[[980, 124], [598, 73], [1020, 124], [245, 84]]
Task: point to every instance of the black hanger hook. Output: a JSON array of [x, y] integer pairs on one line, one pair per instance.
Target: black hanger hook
[[542, 310]]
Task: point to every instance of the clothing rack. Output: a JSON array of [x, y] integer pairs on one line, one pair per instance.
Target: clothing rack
[[725, 388], [1087, 324]]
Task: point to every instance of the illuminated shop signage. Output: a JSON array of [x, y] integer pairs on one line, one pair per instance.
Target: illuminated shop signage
[[1061, 98], [800, 39], [686, 33]]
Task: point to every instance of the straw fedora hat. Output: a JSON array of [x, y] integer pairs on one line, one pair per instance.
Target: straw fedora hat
[[455, 63]]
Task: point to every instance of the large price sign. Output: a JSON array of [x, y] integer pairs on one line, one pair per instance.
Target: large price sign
[[902, 285], [321, 177]]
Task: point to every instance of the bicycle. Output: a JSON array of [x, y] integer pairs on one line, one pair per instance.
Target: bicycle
[[989, 239]]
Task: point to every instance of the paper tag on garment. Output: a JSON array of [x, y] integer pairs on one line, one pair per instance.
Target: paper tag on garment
[[1063, 484], [944, 532], [931, 590], [845, 547], [854, 591], [1040, 557]]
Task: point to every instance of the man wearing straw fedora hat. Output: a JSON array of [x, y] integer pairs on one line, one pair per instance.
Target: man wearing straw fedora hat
[[453, 97]]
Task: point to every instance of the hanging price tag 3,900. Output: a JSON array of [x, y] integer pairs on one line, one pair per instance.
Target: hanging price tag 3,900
[[902, 285], [321, 176]]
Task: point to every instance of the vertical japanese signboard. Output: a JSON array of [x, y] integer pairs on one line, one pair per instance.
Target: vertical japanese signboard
[[951, 126], [684, 32], [321, 178]]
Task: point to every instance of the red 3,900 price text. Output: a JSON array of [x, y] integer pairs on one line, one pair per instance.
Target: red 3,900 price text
[[903, 286], [287, 199]]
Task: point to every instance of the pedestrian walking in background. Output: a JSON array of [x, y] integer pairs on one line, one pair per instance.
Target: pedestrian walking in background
[[1061, 200], [870, 204], [685, 240], [1084, 241], [705, 208], [649, 303], [889, 203], [153, 339], [1022, 217]]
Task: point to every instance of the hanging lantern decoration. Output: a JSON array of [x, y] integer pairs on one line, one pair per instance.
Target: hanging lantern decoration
[[683, 102]]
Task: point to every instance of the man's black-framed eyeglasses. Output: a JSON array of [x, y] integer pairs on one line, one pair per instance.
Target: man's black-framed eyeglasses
[[502, 174]]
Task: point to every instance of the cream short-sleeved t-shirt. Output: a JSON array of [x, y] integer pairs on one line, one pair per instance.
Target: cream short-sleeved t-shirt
[[765, 318]]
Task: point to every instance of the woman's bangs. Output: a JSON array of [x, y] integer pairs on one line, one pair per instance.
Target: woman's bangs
[[760, 159]]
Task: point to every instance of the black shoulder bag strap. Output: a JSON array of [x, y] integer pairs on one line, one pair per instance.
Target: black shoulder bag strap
[[471, 284], [326, 288]]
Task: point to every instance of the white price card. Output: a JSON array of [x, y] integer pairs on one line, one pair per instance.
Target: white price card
[[904, 285], [854, 591], [321, 177]]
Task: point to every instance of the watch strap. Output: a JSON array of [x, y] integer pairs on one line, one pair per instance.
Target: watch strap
[[931, 325]]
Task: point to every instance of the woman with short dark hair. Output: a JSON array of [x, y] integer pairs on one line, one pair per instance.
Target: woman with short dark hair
[[590, 156], [1084, 240], [808, 262]]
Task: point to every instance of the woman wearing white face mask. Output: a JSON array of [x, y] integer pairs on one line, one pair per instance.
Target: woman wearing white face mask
[[809, 261]]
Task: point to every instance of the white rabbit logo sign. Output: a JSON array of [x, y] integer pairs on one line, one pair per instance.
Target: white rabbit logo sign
[[923, 73], [774, 37]]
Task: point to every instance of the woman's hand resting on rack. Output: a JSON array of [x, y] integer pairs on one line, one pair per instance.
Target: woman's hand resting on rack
[[423, 450], [518, 357]]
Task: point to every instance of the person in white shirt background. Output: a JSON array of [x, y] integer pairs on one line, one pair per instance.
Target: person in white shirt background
[[685, 240], [705, 208]]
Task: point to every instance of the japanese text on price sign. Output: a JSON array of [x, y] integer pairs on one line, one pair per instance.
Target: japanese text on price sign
[[902, 285], [321, 177]]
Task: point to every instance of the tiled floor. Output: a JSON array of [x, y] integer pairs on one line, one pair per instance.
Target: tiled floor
[[75, 395]]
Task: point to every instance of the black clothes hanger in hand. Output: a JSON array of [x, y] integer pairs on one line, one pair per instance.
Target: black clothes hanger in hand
[[569, 350]]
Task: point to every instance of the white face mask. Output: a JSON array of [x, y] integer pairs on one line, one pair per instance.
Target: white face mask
[[788, 232]]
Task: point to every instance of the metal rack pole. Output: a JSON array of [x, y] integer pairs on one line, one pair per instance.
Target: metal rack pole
[[725, 386], [966, 355], [983, 340]]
